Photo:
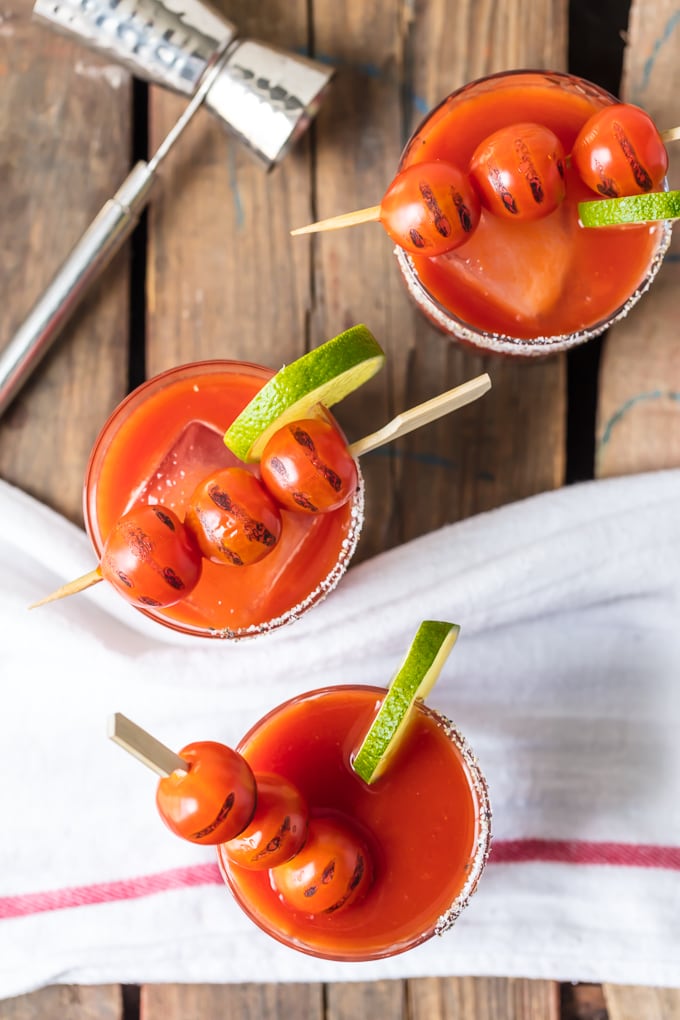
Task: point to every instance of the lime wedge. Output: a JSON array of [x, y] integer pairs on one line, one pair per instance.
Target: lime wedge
[[611, 212], [414, 680], [324, 375]]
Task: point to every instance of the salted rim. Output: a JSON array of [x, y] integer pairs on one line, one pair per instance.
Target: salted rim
[[204, 632], [478, 861], [503, 343], [479, 784]]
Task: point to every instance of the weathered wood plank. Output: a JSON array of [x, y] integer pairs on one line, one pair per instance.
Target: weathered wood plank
[[483, 999], [231, 1002], [224, 279], [56, 1002], [631, 1002], [347, 1001], [638, 422], [582, 1002], [65, 125]]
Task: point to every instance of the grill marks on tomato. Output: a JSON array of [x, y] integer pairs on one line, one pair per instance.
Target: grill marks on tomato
[[324, 470], [430, 208], [221, 816], [235, 519], [255, 530], [151, 558], [642, 178], [307, 466], [519, 171], [619, 152]]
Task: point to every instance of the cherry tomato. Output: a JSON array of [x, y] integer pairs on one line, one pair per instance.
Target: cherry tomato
[[234, 518], [331, 871], [519, 171], [619, 152], [430, 208], [306, 466], [278, 828], [151, 558], [214, 800]]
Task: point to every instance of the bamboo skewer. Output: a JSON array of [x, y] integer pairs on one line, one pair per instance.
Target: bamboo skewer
[[671, 134], [422, 414], [369, 215], [72, 588], [141, 745], [407, 421]]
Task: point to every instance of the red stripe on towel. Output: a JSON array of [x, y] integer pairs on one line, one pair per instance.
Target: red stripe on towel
[[509, 851], [568, 851]]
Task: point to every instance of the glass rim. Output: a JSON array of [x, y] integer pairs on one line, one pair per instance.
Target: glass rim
[[448, 917], [505, 343], [323, 587], [530, 347]]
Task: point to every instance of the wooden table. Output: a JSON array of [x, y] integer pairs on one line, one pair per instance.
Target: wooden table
[[212, 272]]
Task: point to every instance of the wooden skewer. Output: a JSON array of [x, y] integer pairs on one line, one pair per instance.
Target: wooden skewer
[[141, 745], [369, 215], [421, 414], [405, 422], [671, 134], [79, 584]]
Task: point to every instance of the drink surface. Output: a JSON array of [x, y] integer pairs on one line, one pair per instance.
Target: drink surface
[[541, 278], [157, 446], [425, 822]]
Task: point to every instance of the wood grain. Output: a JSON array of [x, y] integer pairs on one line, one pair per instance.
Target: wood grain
[[631, 1002], [483, 999], [638, 421], [231, 1002], [96, 1002], [347, 1001], [224, 277], [65, 125]]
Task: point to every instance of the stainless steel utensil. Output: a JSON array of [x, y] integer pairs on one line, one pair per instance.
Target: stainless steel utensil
[[264, 96]]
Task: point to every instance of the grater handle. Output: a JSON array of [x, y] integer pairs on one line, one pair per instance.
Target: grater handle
[[103, 238]]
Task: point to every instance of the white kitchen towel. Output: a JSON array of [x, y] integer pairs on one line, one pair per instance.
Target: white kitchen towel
[[565, 679]]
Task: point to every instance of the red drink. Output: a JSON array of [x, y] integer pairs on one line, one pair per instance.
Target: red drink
[[426, 823], [527, 287], [161, 441]]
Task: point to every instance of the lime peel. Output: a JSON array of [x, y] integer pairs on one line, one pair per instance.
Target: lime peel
[[612, 212], [324, 375], [413, 681]]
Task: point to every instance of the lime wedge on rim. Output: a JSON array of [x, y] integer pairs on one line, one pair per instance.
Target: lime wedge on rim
[[612, 212], [413, 681], [324, 375]]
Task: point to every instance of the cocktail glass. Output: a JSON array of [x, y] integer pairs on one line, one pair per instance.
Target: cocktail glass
[[158, 444], [527, 288], [426, 822]]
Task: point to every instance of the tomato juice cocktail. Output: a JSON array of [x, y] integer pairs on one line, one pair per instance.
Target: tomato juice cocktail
[[425, 821], [518, 286], [157, 446]]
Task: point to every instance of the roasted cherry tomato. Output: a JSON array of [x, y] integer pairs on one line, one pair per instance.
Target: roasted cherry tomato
[[307, 466], [619, 152], [331, 871], [519, 171], [278, 828], [214, 800], [151, 558], [430, 208], [234, 518]]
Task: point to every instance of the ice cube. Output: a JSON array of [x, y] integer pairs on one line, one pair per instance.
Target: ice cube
[[197, 451], [522, 268]]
